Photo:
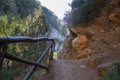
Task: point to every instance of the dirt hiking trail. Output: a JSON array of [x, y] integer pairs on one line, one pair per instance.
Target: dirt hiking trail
[[72, 70]]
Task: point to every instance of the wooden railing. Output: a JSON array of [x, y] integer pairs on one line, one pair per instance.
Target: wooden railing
[[5, 41]]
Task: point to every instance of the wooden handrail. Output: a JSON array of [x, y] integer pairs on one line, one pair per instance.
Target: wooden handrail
[[29, 74], [16, 39], [20, 59]]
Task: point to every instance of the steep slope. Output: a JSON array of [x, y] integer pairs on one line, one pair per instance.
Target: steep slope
[[98, 40], [56, 29], [26, 18]]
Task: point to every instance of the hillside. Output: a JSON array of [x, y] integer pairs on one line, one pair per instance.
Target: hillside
[[26, 18], [98, 39]]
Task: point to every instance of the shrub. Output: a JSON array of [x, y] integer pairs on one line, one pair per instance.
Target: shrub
[[11, 74], [112, 73], [84, 11]]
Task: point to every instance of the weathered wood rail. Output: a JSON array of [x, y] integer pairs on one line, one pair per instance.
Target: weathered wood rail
[[5, 41]]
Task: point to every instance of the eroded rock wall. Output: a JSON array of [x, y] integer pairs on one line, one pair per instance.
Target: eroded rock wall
[[98, 40]]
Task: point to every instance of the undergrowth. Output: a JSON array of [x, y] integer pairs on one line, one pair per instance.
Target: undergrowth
[[112, 73]]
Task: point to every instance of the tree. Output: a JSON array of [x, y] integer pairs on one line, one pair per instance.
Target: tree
[[29, 21], [82, 11]]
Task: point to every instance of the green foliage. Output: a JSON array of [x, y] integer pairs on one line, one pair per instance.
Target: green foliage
[[30, 27], [10, 73], [23, 8], [26, 7], [9, 26], [51, 18], [112, 73], [76, 3], [53, 21], [83, 11], [8, 7], [28, 21], [25, 18]]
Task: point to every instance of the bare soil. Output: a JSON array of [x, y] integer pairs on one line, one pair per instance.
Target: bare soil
[[72, 70]]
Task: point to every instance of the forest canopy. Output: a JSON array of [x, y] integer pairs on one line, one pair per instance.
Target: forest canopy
[[82, 12]]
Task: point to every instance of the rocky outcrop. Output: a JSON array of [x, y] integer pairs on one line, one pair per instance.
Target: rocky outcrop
[[57, 35], [80, 42], [98, 40], [115, 17]]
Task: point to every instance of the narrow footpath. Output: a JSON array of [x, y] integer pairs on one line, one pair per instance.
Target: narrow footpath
[[72, 70]]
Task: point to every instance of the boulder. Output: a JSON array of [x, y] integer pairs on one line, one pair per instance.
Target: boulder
[[80, 42], [115, 17]]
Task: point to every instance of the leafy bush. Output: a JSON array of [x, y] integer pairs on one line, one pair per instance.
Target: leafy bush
[[83, 11], [11, 73], [19, 25], [112, 73]]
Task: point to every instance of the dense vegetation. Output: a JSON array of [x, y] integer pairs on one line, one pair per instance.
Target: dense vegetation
[[82, 12], [18, 7], [24, 18], [17, 18], [21, 18], [53, 21]]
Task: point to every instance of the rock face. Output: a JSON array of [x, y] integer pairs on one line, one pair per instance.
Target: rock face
[[98, 40], [57, 35], [115, 17], [80, 42]]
